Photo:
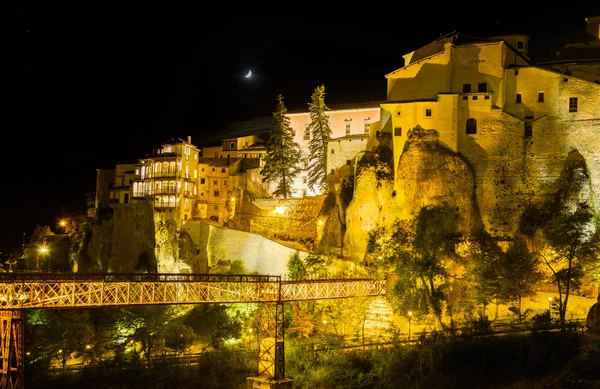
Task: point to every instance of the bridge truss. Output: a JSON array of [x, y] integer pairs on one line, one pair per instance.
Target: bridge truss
[[22, 291]]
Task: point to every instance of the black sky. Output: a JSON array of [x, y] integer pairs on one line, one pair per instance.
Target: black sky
[[93, 84]]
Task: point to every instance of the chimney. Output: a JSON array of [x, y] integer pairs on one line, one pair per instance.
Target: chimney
[[189, 139]]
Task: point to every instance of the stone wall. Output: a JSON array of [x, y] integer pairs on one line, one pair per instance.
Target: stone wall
[[291, 220]]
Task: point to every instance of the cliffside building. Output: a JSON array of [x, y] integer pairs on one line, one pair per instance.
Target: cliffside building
[[353, 126], [169, 177], [514, 121]]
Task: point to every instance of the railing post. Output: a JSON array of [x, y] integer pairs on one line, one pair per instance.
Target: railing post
[[13, 366]]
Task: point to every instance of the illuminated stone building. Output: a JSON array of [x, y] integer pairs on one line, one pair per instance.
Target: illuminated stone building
[[215, 187], [514, 121], [353, 127], [169, 177]]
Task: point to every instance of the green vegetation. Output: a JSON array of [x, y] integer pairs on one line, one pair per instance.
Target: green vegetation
[[320, 133], [283, 153]]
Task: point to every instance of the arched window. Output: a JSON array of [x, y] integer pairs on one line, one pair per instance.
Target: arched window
[[471, 126]]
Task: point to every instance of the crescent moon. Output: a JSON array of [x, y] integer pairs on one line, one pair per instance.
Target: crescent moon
[[249, 74]]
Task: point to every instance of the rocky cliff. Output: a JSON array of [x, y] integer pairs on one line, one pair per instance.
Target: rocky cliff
[[124, 241]]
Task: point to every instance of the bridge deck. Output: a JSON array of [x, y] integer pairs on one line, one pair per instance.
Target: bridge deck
[[62, 290]]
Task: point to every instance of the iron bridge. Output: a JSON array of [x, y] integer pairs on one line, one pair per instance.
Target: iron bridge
[[21, 291]]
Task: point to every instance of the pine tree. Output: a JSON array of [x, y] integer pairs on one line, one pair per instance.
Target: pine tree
[[283, 154], [320, 136]]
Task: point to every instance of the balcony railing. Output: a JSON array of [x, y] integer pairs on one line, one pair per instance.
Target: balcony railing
[[164, 204], [168, 174]]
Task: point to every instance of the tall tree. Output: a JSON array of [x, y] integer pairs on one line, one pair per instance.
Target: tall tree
[[419, 249], [518, 273], [320, 134], [282, 162], [566, 242]]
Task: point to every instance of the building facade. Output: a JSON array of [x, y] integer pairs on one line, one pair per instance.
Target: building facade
[[169, 177], [353, 126], [512, 119]]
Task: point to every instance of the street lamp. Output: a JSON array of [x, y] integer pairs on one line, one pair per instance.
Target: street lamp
[[409, 320], [549, 307], [42, 250]]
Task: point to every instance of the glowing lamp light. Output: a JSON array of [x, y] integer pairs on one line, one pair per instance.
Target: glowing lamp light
[[43, 250], [410, 313], [279, 210], [62, 223]]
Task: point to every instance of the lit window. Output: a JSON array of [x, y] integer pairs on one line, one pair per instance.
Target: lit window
[[348, 124]]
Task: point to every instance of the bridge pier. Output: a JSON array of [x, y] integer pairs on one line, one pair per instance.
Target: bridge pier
[[13, 364], [271, 350]]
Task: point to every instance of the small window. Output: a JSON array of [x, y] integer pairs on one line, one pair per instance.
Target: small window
[[348, 124], [215, 182], [398, 131], [428, 112], [540, 97], [332, 151], [516, 72], [486, 97], [573, 104], [398, 113], [471, 126], [474, 97], [465, 97], [332, 170], [482, 87], [367, 126], [223, 170], [466, 88], [304, 180], [520, 45], [216, 193], [348, 162], [518, 100], [307, 132]]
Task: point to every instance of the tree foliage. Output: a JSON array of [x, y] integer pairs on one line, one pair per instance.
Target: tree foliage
[[566, 242], [419, 249], [320, 134], [283, 153], [518, 273]]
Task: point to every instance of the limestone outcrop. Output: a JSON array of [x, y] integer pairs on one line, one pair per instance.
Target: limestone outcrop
[[123, 242]]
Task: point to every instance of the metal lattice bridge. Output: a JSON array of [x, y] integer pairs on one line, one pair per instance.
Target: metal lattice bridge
[[20, 291]]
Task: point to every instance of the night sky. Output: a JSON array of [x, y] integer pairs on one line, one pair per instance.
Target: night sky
[[92, 84]]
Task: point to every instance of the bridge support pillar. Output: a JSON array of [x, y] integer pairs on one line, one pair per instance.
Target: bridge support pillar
[[13, 364], [271, 351]]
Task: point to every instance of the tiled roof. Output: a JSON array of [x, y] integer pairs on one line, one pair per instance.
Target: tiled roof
[[173, 141]]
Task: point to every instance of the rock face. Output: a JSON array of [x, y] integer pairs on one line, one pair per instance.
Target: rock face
[[218, 246], [428, 173], [124, 242]]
